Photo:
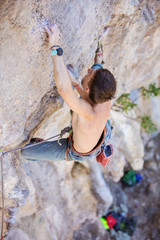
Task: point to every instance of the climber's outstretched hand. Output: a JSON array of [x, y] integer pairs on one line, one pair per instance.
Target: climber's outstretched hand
[[53, 33]]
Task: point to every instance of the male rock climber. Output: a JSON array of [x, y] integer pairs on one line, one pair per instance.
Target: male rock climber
[[90, 111]]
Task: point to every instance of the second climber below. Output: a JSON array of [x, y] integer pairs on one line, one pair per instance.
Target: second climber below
[[90, 113]]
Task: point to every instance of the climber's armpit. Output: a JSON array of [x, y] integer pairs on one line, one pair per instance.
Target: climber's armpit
[[77, 105]]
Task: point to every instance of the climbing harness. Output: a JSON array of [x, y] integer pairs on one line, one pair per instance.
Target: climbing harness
[[102, 151], [65, 130]]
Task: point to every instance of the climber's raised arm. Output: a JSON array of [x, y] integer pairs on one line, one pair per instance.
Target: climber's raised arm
[[63, 81], [61, 75]]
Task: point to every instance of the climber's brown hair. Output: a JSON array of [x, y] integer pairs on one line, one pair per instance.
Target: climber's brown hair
[[102, 86]]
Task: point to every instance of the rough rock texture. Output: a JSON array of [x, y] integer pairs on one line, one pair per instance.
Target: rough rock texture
[[142, 200], [127, 134], [40, 197]]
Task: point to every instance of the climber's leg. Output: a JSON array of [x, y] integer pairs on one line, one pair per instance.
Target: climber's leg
[[46, 151], [98, 59]]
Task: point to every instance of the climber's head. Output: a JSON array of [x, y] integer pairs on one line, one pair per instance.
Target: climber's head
[[100, 85]]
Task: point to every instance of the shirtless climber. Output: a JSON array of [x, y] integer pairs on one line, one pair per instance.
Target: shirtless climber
[[90, 112]]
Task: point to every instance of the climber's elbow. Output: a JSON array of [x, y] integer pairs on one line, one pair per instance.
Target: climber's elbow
[[65, 89]]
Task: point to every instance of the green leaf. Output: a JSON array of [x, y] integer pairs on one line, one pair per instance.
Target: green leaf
[[152, 91], [147, 124], [125, 102]]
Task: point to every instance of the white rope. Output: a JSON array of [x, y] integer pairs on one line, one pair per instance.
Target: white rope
[[2, 192]]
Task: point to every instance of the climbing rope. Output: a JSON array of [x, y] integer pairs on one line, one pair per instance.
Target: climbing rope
[[2, 237], [65, 130]]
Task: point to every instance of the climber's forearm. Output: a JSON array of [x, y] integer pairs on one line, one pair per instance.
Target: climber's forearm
[[80, 90], [76, 83], [73, 80], [61, 75]]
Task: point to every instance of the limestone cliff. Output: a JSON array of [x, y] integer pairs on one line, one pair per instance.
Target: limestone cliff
[[52, 200]]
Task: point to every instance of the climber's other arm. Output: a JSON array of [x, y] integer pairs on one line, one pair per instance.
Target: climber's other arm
[[76, 84]]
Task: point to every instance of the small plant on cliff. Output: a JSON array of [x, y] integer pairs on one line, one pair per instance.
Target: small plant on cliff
[[125, 104], [147, 124], [152, 91]]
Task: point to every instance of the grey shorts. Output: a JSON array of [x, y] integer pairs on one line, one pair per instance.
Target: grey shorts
[[52, 151]]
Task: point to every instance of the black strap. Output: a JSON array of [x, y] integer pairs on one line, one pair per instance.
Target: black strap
[[54, 46]]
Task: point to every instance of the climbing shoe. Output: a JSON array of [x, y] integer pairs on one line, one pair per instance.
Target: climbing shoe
[[36, 140]]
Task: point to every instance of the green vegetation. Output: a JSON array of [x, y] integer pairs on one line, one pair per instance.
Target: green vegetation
[[147, 124], [125, 104], [152, 91]]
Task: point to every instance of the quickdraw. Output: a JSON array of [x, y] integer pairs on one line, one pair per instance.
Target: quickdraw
[[64, 131]]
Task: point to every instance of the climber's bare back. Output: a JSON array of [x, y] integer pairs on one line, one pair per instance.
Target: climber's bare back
[[86, 133]]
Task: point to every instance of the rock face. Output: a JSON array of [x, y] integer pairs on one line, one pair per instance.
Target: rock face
[[127, 134], [40, 197]]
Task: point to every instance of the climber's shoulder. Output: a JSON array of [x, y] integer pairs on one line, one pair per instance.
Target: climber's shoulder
[[78, 105]]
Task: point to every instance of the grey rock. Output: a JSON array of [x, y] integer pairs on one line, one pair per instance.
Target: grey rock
[[31, 105], [17, 234]]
